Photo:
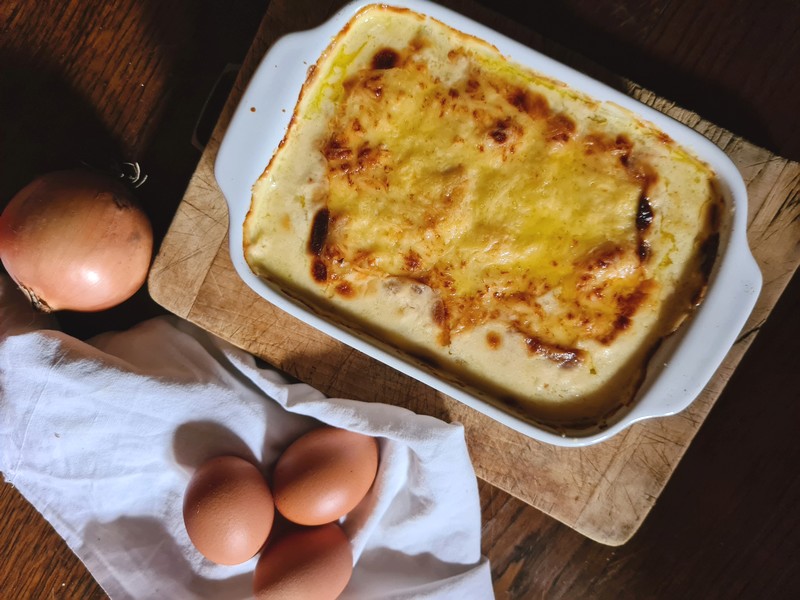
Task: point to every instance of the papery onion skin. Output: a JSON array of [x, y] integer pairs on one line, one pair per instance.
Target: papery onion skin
[[76, 240]]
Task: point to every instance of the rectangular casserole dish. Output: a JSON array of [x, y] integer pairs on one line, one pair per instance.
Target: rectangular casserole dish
[[681, 365]]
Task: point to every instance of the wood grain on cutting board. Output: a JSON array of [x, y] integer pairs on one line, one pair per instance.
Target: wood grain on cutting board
[[604, 491]]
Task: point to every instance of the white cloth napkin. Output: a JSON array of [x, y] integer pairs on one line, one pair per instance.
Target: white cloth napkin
[[102, 438]]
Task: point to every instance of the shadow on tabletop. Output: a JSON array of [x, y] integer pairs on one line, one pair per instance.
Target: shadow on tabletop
[[600, 40]]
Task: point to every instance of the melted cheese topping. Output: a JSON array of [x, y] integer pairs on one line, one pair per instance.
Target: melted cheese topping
[[524, 238]]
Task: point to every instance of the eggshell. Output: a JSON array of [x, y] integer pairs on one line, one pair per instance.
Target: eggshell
[[324, 474], [308, 564], [228, 510]]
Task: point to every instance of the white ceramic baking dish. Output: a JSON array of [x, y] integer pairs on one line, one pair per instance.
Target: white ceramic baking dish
[[683, 364]]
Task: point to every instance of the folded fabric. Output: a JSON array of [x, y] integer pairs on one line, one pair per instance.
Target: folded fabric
[[103, 436]]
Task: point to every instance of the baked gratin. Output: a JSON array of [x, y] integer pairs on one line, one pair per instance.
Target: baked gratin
[[513, 234]]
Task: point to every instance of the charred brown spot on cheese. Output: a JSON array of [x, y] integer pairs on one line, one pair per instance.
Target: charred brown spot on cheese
[[493, 340], [622, 145], [364, 153], [644, 214], [386, 58], [443, 105], [344, 289], [622, 322], [533, 104], [413, 260], [624, 154], [560, 128], [593, 144], [664, 138], [519, 100], [603, 257], [440, 317], [418, 42], [336, 150], [603, 143], [319, 231], [375, 85], [561, 355], [319, 270], [500, 132], [643, 249], [643, 173], [440, 313], [627, 305]]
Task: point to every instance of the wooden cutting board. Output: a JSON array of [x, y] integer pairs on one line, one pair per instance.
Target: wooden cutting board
[[603, 491]]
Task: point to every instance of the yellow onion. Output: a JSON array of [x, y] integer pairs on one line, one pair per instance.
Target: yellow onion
[[76, 240]]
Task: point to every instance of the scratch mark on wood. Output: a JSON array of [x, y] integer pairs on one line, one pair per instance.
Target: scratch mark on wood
[[631, 502], [660, 439], [206, 213], [750, 332], [341, 370], [212, 278], [651, 466], [760, 163], [790, 203], [174, 263]]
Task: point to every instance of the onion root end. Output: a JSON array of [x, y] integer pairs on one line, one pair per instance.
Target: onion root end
[[35, 301]]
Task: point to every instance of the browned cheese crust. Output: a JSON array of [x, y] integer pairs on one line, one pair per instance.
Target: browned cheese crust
[[514, 235]]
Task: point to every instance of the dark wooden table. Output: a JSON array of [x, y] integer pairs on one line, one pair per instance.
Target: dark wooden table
[[121, 81]]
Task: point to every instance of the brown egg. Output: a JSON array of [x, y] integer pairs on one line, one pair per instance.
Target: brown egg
[[308, 564], [228, 510], [324, 474]]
